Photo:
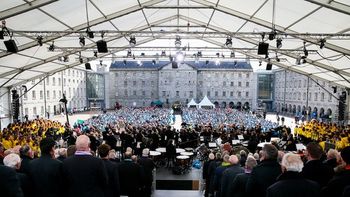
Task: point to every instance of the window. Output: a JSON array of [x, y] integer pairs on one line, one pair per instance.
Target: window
[[322, 96], [231, 93], [232, 83], [134, 83], [224, 83], [304, 96], [200, 83], [247, 75], [134, 92], [26, 111], [191, 94], [33, 95], [64, 82], [125, 93], [41, 93], [59, 81], [54, 94], [224, 75], [247, 84], [125, 83], [25, 96], [42, 110], [330, 97], [34, 110], [208, 93], [200, 93], [164, 93], [240, 75], [53, 81], [152, 83], [48, 94], [239, 94], [316, 96], [143, 83], [239, 84], [177, 93], [247, 94], [47, 81], [33, 82], [115, 75], [60, 93], [216, 93], [152, 94], [223, 93]]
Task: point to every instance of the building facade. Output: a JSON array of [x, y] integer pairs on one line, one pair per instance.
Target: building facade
[[296, 94], [138, 84], [43, 99]]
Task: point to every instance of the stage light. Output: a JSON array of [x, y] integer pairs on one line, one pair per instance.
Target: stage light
[[40, 40], [82, 40], [228, 42], [260, 62], [89, 33], [52, 46], [81, 60], [65, 58], [132, 41], [163, 54], [217, 54], [153, 62], [232, 55], [322, 43], [298, 60], [177, 42], [279, 43], [124, 61], [199, 54], [95, 53], [306, 52], [128, 54], [272, 35]]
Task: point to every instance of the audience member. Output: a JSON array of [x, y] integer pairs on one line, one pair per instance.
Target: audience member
[[113, 188], [314, 169], [148, 166], [205, 173], [229, 175], [218, 174], [238, 186], [341, 180], [291, 183], [9, 182], [211, 172], [264, 174], [26, 156], [71, 150], [85, 175], [46, 172]]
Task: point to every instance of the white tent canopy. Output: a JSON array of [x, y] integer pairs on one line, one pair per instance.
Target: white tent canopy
[[202, 24], [192, 103], [206, 103]]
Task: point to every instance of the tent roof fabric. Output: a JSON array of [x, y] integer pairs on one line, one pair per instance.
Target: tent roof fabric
[[203, 25], [206, 102], [192, 103]]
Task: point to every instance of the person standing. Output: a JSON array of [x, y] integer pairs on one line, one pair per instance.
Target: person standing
[[9, 182], [148, 166], [46, 171], [205, 173], [229, 175], [84, 174], [238, 186]]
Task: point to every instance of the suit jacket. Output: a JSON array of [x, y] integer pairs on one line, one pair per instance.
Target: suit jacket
[[262, 176], [26, 184], [337, 184], [46, 175], [131, 175], [238, 186], [85, 175], [317, 171], [113, 187], [291, 184], [147, 165], [9, 183], [227, 179]]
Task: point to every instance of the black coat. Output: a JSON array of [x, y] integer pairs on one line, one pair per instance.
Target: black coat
[[262, 176], [131, 177], [25, 164], [46, 175], [292, 184], [113, 187], [238, 186], [84, 175], [211, 173], [26, 184], [227, 179], [317, 171], [9, 183], [337, 184], [147, 165]]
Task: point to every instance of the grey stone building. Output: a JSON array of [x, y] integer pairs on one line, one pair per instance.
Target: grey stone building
[[226, 84], [296, 94]]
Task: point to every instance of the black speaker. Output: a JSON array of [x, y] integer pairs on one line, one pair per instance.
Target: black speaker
[[87, 66], [174, 64], [102, 46], [11, 46], [263, 48], [268, 66]]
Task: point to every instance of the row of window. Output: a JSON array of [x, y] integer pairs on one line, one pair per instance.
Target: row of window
[[76, 92], [59, 83], [134, 83], [73, 104], [297, 96], [224, 84]]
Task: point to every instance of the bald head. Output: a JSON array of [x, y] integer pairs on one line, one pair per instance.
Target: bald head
[[233, 159], [83, 143]]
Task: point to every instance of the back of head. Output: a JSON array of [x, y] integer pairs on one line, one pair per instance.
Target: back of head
[[226, 158], [345, 155], [332, 154], [250, 163], [24, 150], [233, 159], [128, 155], [270, 152], [218, 155], [82, 143], [211, 156], [103, 150], [46, 146], [145, 152], [292, 162], [314, 150], [12, 160], [71, 150]]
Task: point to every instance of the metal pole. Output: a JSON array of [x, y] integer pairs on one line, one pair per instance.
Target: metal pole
[[307, 99], [285, 89], [45, 111]]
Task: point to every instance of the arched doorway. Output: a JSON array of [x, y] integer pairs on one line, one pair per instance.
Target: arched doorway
[[216, 104], [303, 111], [299, 109], [246, 106], [231, 105], [321, 112], [290, 108], [239, 105], [329, 113], [223, 104], [294, 109]]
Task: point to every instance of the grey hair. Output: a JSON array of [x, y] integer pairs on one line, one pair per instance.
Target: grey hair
[[292, 162], [12, 160], [145, 152], [250, 163]]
